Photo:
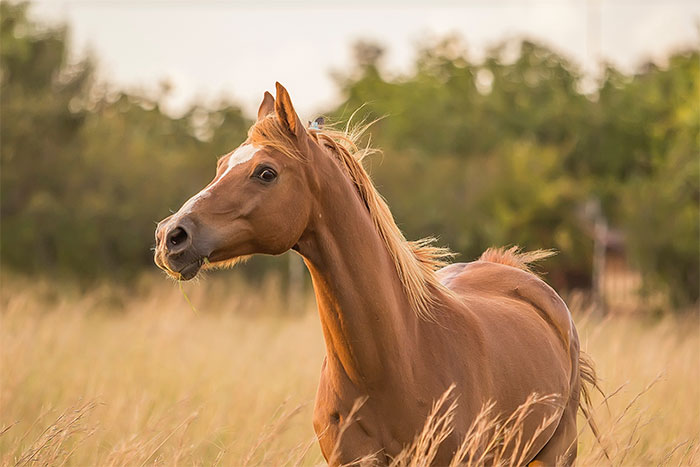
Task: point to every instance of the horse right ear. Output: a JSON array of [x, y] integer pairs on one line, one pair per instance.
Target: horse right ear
[[286, 114], [267, 106]]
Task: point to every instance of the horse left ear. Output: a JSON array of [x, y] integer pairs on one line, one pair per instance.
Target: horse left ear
[[286, 113], [267, 106]]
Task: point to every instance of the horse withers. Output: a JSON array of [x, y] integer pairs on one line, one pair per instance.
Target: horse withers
[[400, 325]]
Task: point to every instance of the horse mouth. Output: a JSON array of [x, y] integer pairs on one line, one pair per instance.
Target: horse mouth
[[185, 273], [190, 271]]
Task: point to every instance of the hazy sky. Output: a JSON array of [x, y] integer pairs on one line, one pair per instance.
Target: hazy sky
[[208, 49]]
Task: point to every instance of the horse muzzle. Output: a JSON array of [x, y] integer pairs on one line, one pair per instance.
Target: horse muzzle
[[176, 250]]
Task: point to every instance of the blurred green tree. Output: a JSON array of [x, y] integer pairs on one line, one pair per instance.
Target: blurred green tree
[[517, 150], [39, 135], [502, 151], [87, 172]]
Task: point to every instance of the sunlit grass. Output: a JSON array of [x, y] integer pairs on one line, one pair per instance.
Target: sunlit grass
[[132, 376]]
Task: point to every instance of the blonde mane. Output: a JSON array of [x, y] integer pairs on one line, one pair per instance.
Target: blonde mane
[[515, 257], [415, 261]]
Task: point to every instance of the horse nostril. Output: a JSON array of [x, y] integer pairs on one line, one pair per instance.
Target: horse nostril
[[176, 237]]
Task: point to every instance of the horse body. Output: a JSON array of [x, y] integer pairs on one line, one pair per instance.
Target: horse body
[[501, 353], [503, 335], [398, 330]]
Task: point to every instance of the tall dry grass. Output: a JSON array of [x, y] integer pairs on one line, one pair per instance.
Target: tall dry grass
[[134, 376]]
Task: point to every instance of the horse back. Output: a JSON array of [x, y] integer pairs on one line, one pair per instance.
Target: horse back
[[481, 282]]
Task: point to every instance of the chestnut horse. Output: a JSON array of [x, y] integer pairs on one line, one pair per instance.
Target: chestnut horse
[[400, 328]]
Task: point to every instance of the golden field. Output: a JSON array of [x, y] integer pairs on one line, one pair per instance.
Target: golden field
[[118, 375]]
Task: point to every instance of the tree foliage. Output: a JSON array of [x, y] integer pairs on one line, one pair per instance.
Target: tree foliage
[[510, 150], [502, 151], [86, 171]]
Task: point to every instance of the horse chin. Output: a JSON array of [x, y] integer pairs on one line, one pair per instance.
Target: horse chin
[[187, 273], [190, 271]]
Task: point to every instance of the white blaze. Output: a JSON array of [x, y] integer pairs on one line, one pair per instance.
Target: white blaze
[[239, 156]]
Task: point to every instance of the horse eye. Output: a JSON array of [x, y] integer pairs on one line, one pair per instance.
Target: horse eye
[[267, 174]]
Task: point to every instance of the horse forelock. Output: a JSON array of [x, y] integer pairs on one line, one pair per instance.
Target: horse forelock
[[415, 261]]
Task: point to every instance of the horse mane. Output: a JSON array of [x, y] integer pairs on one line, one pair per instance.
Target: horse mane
[[515, 257], [416, 261]]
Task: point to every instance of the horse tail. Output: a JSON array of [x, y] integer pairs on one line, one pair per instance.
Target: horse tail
[[589, 382]]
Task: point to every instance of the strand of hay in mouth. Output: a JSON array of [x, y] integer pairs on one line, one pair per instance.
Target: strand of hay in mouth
[[187, 299]]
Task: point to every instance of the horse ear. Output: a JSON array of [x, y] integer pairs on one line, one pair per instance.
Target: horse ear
[[285, 112], [267, 106]]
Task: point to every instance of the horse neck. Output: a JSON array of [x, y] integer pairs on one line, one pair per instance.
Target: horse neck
[[366, 318]]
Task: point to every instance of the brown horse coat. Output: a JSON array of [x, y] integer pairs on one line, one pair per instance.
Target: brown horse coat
[[399, 331]]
